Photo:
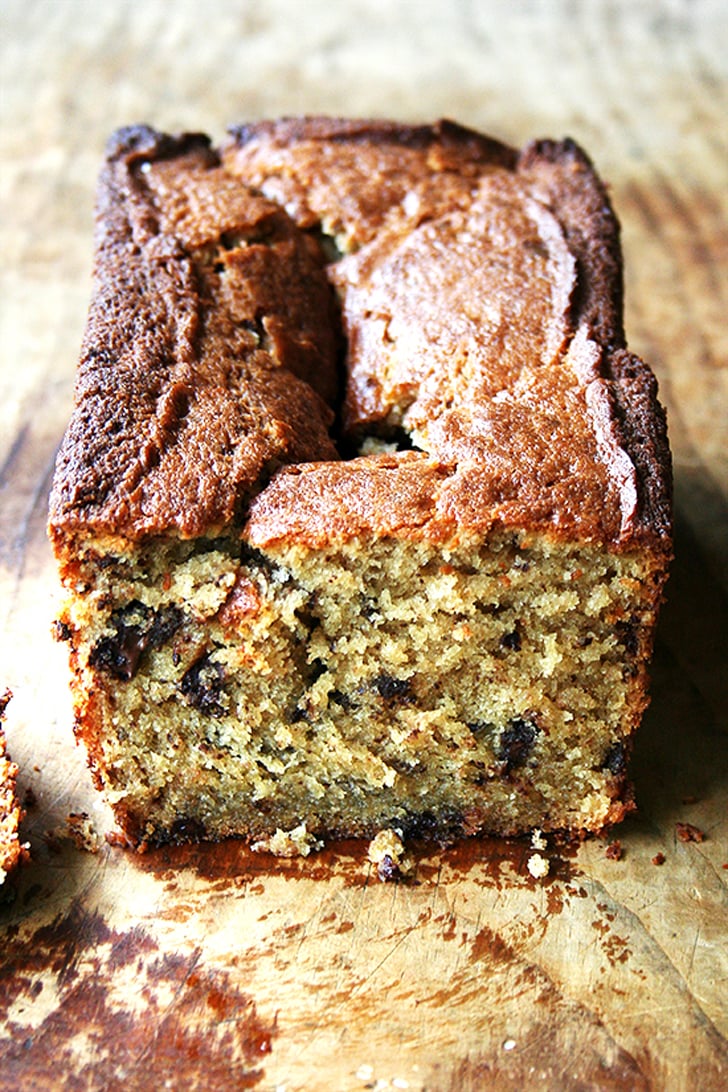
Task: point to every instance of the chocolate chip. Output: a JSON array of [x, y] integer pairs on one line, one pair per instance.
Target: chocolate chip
[[511, 640], [166, 622], [627, 635], [138, 628], [615, 760], [343, 700], [202, 685], [121, 654], [516, 743], [391, 689], [388, 869], [118, 656]]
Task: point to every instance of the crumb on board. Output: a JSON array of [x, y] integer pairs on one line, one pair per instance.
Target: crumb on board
[[298, 842], [386, 851], [614, 850], [82, 831], [688, 832], [538, 866], [538, 839]]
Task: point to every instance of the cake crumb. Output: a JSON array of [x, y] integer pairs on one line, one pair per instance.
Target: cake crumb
[[658, 859], [687, 832], [298, 842], [538, 839], [386, 851], [538, 866], [82, 831], [614, 850]]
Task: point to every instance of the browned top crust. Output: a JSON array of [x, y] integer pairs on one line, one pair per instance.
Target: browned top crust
[[480, 296], [210, 350]]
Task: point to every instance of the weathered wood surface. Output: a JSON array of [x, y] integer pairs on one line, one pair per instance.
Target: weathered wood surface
[[205, 967]]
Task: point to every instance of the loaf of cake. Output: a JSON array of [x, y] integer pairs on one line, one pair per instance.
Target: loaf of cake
[[363, 511], [12, 850]]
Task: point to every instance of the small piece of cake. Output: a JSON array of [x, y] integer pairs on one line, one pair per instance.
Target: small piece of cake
[[364, 507], [12, 850]]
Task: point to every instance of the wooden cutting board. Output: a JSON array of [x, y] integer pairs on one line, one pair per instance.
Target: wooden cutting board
[[211, 966]]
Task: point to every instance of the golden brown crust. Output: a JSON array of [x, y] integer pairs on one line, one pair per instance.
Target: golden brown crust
[[481, 298], [209, 349], [482, 301]]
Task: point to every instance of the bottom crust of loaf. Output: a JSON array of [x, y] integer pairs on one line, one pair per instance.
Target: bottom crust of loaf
[[495, 687]]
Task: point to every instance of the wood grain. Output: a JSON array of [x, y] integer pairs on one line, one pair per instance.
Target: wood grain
[[213, 967]]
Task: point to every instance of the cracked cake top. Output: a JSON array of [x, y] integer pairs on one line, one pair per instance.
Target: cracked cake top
[[473, 293]]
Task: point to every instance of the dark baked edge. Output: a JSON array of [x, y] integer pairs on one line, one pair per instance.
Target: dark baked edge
[[593, 233], [447, 133]]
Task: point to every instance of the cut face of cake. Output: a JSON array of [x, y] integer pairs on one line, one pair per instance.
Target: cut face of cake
[[364, 508]]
